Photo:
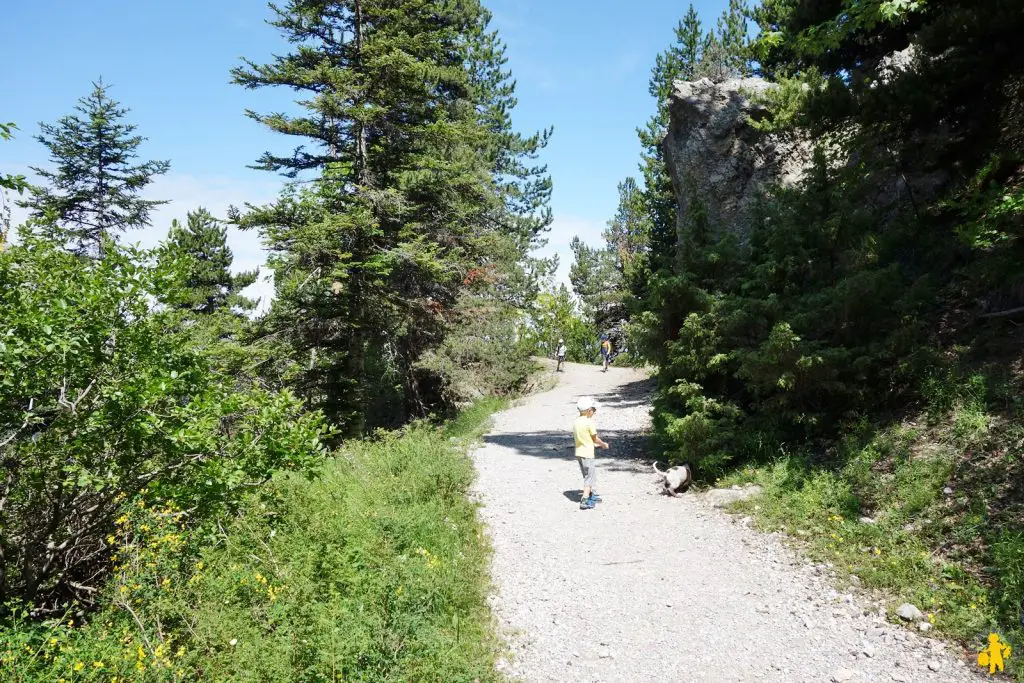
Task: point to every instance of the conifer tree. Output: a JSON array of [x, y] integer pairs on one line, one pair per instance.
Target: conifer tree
[[596, 282], [92, 193], [417, 178], [628, 232], [210, 286], [695, 54]]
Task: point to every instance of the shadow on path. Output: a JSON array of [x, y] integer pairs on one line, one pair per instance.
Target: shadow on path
[[575, 495], [626, 446], [628, 395]]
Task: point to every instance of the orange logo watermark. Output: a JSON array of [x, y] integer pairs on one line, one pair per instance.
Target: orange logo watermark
[[994, 654]]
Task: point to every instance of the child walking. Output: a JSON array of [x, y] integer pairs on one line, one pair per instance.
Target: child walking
[[584, 430]]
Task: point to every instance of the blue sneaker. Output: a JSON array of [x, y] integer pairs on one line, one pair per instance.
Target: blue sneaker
[[587, 504], [595, 498]]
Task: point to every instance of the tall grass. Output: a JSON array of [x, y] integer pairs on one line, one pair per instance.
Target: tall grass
[[376, 570]]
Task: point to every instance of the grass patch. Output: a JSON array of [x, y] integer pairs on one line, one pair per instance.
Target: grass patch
[[472, 422], [376, 570]]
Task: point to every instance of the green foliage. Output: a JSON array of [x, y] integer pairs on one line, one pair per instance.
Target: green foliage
[[93, 191], [824, 508], [651, 212], [14, 183], [597, 284], [209, 286], [8, 183], [418, 183], [479, 357], [942, 506], [880, 285], [100, 399], [629, 231], [832, 308], [555, 315], [374, 571]]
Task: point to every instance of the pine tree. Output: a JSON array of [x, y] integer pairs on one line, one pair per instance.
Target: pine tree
[[628, 233], [93, 191], [733, 39], [695, 54], [210, 286], [597, 283], [680, 60], [418, 178]]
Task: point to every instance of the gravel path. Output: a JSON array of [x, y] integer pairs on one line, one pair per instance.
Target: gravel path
[[651, 588]]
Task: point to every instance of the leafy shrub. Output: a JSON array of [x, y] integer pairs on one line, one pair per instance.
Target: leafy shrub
[[102, 398], [553, 316], [375, 571], [478, 357]]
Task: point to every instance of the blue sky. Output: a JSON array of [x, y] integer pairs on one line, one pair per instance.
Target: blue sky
[[582, 66]]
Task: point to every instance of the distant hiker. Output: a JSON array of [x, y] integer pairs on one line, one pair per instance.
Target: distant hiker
[[584, 430], [606, 353], [560, 353]]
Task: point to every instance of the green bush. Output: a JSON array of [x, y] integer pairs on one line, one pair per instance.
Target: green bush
[[101, 398], [375, 571], [479, 357], [553, 316]]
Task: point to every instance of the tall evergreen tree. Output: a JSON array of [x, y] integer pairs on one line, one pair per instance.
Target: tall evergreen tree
[[210, 286], [718, 55], [417, 179], [680, 60], [93, 191], [596, 283]]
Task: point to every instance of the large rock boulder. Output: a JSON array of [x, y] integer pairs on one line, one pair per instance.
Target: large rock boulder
[[716, 157]]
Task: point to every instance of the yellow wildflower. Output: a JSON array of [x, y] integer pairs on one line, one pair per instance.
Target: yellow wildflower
[[79, 666]]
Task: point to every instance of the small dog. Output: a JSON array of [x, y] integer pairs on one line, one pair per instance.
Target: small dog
[[676, 479]]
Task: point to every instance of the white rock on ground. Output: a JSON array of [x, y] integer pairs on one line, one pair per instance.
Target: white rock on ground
[[652, 588]]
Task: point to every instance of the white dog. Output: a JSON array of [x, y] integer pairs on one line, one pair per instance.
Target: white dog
[[676, 479]]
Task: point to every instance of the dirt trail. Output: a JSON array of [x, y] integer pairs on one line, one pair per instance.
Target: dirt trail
[[651, 588]]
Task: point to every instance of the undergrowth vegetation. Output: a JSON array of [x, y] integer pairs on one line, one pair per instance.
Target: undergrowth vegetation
[[926, 509], [373, 570]]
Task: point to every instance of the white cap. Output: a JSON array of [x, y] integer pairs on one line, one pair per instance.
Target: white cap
[[585, 403], [561, 341]]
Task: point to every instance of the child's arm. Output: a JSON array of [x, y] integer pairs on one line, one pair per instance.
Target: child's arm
[[599, 442]]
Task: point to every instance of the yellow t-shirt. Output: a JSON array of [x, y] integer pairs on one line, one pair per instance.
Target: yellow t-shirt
[[584, 430]]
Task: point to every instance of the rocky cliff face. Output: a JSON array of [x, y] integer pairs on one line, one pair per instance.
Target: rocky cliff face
[[716, 157]]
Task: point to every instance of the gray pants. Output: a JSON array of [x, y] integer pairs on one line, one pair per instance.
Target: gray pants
[[588, 466]]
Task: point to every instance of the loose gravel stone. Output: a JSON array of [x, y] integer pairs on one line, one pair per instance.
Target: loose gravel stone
[[844, 676], [909, 612], [646, 587]]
